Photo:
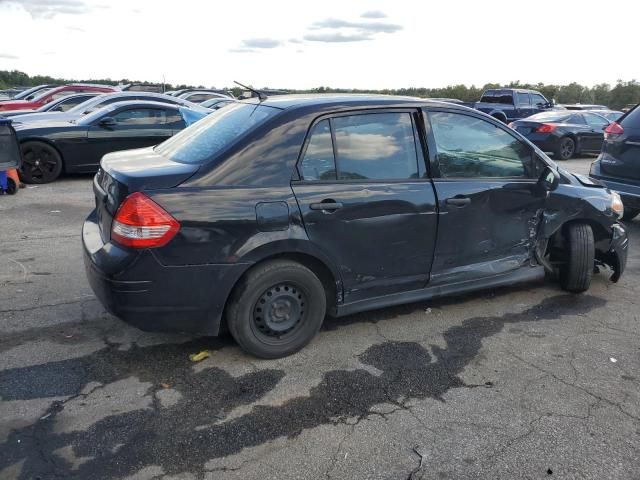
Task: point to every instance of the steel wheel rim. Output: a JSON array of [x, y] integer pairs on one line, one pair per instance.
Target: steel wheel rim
[[279, 312], [40, 162]]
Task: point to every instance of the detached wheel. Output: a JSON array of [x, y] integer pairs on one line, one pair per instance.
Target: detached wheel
[[576, 272], [41, 163], [566, 149], [277, 309], [630, 214]]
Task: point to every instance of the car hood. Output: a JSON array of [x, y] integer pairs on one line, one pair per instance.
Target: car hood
[[57, 125], [46, 117], [15, 104]]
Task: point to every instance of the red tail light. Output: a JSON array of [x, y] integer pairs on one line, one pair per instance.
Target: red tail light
[[614, 128], [142, 223], [546, 128]]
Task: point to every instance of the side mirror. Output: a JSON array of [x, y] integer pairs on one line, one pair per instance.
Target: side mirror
[[107, 122], [549, 179]]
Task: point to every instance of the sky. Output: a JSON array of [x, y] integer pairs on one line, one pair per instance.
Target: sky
[[367, 44]]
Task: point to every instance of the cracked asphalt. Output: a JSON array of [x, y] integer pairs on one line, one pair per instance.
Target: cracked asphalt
[[525, 382]]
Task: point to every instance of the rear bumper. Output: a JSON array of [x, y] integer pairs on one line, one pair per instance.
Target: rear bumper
[[134, 286], [629, 193]]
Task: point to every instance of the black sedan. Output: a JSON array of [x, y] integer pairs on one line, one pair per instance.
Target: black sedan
[[49, 148], [564, 133], [266, 215]]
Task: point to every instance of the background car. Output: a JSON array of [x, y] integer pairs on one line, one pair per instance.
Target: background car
[[53, 94], [618, 165], [217, 102], [31, 93], [106, 99], [50, 148], [199, 96], [564, 133], [61, 105], [585, 106], [509, 104], [611, 115]]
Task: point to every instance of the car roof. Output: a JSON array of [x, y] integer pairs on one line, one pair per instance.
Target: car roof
[[361, 100]]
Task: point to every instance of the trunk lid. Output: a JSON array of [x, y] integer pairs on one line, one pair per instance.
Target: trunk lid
[[122, 173]]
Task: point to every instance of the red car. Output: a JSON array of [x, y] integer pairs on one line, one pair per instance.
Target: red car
[[53, 94]]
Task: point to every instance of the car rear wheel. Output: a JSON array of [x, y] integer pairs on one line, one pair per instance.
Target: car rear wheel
[[41, 163], [566, 149], [630, 214], [277, 309], [577, 270]]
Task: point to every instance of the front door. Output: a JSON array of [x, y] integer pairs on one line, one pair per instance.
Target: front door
[[486, 183], [135, 127], [366, 202]]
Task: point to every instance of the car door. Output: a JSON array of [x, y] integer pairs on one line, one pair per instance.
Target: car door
[[366, 201], [594, 135], [523, 105], [134, 127], [489, 205]]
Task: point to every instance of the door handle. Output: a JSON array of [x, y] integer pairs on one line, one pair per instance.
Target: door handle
[[328, 205], [458, 202]]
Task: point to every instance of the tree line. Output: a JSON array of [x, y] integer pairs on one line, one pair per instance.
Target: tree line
[[614, 96]]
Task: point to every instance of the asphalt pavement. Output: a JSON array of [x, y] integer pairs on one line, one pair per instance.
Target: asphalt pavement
[[526, 382]]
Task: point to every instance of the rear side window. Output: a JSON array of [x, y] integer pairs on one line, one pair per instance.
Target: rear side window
[[318, 162], [377, 146], [631, 119], [470, 147], [595, 120]]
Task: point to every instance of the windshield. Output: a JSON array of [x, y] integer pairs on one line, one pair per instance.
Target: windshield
[[550, 116], [201, 141]]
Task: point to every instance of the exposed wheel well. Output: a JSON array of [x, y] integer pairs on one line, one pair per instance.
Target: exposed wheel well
[[556, 244], [323, 273]]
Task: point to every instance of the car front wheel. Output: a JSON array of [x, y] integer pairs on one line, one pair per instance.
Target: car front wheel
[[277, 309], [41, 163], [577, 270]]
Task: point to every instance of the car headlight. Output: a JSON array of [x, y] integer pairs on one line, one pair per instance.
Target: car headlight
[[616, 204]]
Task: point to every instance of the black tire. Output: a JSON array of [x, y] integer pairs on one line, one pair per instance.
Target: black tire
[[566, 149], [12, 188], [576, 272], [276, 309], [41, 163], [630, 214]]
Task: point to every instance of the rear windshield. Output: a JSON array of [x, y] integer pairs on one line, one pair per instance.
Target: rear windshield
[[497, 96], [631, 119], [202, 140], [550, 116]]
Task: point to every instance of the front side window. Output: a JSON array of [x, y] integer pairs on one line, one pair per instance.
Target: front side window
[[538, 100], [141, 116], [595, 120], [471, 147], [523, 99]]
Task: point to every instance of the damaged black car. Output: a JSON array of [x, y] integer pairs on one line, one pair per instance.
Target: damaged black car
[[270, 214]]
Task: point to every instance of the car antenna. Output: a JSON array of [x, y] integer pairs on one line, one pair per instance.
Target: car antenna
[[261, 95]]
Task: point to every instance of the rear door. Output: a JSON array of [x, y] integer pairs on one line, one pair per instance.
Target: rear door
[[486, 184], [367, 202], [594, 135], [621, 152], [523, 104]]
